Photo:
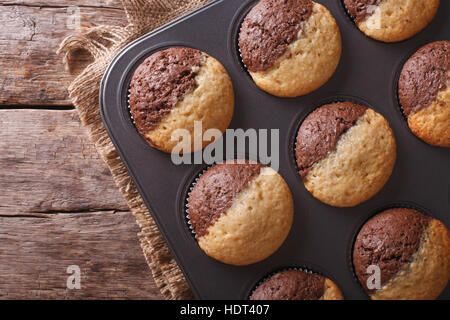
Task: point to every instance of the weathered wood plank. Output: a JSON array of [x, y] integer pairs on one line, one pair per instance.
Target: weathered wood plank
[[35, 253], [31, 71], [47, 163]]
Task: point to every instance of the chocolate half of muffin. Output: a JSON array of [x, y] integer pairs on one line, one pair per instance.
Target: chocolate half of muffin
[[241, 211], [160, 82], [268, 30], [423, 76], [345, 153], [215, 191], [424, 93], [320, 131], [410, 250], [296, 285]]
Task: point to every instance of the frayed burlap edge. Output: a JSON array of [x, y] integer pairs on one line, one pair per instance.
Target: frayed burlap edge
[[103, 42]]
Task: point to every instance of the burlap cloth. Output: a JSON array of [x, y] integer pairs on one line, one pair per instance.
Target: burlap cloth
[[103, 42]]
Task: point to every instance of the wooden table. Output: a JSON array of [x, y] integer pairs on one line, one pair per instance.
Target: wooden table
[[58, 203]]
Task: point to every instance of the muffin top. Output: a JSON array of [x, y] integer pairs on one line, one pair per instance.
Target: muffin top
[[320, 132], [392, 20], [290, 285], [389, 240], [160, 82], [171, 90], [269, 28], [360, 9], [424, 75], [241, 211], [215, 191]]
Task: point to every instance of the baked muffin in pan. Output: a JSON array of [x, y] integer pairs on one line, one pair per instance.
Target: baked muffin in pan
[[290, 47], [411, 250], [296, 285], [424, 93], [345, 153], [241, 211], [173, 89], [392, 20]]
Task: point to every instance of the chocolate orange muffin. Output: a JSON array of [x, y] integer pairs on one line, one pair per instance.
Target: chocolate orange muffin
[[345, 153], [290, 47], [175, 88], [296, 285], [411, 250], [424, 93], [392, 20], [241, 211]]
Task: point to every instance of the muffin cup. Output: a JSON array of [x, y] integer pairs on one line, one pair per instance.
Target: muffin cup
[[399, 105], [190, 187], [128, 104], [396, 86], [239, 22]]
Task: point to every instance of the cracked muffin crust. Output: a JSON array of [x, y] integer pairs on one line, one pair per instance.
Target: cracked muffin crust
[[345, 153], [173, 88], [290, 47], [392, 20], [411, 250], [424, 93], [241, 211], [296, 285]]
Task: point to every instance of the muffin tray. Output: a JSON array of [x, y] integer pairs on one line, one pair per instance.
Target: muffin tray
[[322, 236]]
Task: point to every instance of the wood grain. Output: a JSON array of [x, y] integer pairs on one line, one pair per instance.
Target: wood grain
[[49, 164], [58, 203], [31, 71], [35, 253]]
